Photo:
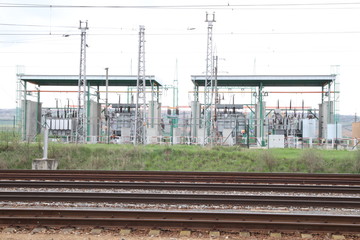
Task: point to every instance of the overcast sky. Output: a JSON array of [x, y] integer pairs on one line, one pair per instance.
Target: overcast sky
[[250, 37]]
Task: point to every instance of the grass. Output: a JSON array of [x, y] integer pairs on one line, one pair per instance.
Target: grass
[[16, 155]]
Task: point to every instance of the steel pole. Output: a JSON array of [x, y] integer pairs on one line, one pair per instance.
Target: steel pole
[[46, 136], [106, 107]]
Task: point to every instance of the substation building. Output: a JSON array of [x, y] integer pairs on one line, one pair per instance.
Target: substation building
[[248, 121], [251, 122], [105, 121]]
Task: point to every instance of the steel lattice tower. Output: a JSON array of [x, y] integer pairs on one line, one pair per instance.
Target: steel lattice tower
[[81, 127], [140, 115], [209, 75]]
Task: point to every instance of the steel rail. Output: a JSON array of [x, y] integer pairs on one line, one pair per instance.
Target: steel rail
[[193, 220], [164, 176], [183, 186], [169, 198]]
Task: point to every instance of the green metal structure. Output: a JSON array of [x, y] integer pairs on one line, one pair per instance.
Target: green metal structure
[[326, 82], [72, 81]]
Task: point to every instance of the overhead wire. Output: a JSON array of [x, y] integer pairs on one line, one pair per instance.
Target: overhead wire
[[182, 33], [33, 25], [189, 6]]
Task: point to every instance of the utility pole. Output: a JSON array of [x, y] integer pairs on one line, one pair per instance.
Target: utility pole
[[209, 90], [217, 99], [107, 116], [82, 119], [140, 112], [176, 88]]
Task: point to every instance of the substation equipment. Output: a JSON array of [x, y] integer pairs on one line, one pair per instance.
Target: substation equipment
[[141, 120], [236, 123], [103, 123], [252, 122]]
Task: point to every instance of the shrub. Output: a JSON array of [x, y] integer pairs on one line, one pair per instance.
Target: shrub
[[312, 160], [268, 159], [356, 163]]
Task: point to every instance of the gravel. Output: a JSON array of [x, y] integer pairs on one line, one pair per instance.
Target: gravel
[[181, 207]]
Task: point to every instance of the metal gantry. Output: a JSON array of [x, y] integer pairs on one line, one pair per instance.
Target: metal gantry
[[140, 114], [209, 86], [81, 126]]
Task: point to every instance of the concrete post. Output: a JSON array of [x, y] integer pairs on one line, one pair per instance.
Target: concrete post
[[45, 163], [46, 136]]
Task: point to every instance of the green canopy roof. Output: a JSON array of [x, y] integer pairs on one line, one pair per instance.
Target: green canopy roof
[[267, 80], [93, 80]]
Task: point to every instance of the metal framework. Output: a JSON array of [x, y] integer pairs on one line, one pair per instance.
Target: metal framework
[[209, 86], [217, 100], [140, 115], [81, 127], [328, 83]]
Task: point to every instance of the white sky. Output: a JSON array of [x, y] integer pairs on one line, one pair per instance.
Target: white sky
[[262, 37]]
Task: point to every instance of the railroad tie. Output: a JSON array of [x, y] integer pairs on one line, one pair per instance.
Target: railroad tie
[[38, 230], [214, 234], [9, 230], [125, 232], [338, 237], [275, 235], [244, 234], [185, 233], [96, 231], [154, 233], [306, 236]]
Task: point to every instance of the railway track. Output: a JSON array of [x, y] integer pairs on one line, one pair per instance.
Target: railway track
[[224, 219], [183, 186], [173, 176], [193, 220], [169, 198]]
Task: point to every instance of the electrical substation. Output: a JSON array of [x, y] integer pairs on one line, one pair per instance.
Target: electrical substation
[[139, 117]]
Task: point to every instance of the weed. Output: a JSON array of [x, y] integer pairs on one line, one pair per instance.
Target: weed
[[269, 160], [356, 162], [18, 155], [312, 160]]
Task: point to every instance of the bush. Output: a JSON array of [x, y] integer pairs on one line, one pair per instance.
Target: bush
[[268, 160], [356, 163], [312, 160]]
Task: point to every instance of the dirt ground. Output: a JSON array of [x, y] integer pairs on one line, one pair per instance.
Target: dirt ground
[[55, 236], [71, 237], [7, 236]]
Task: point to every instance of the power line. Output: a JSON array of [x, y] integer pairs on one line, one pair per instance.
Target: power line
[[32, 25], [54, 26], [184, 34], [201, 6]]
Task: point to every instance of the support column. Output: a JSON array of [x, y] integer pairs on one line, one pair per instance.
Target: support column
[[196, 93], [329, 106], [99, 122], [107, 116], [195, 120], [45, 163], [87, 112], [25, 111], [157, 93], [82, 119], [38, 130], [261, 121], [140, 110]]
